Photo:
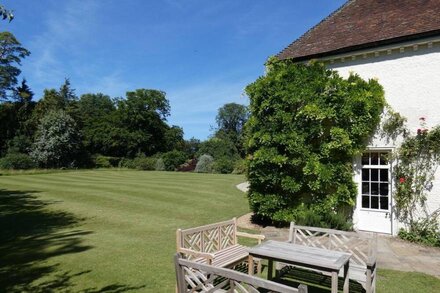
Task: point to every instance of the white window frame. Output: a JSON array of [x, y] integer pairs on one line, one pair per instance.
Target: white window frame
[[389, 166]]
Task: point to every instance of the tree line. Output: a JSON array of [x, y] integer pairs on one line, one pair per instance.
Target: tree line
[[62, 130]]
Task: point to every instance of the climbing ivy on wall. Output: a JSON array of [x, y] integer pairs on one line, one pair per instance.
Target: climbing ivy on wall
[[306, 125]]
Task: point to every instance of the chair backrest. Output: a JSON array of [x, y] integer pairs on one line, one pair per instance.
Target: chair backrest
[[362, 247], [197, 277], [209, 238]]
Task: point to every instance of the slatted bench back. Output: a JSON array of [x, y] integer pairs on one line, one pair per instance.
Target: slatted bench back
[[210, 238], [196, 277], [362, 247]]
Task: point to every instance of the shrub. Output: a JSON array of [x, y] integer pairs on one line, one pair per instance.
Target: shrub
[[173, 159], [240, 167], [144, 163], [57, 142], [102, 162], [106, 162], [223, 165], [205, 164], [306, 125], [218, 148], [17, 161], [160, 166], [188, 166], [126, 163], [424, 231]]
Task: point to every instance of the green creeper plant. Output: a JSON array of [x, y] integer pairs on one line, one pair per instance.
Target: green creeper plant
[[417, 160], [306, 125]]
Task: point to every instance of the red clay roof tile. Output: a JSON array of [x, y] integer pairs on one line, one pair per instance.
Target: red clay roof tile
[[362, 24]]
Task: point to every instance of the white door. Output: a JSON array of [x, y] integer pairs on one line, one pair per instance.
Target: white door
[[374, 201]]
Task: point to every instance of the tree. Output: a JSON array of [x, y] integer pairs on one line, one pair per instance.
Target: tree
[[53, 100], [231, 119], [142, 121], [306, 125], [23, 93], [97, 124], [174, 138], [6, 14], [57, 142], [218, 148], [11, 54], [191, 147], [23, 96]]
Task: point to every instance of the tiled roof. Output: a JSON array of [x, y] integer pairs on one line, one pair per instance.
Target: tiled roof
[[360, 24]]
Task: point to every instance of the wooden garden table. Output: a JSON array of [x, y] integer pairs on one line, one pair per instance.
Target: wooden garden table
[[304, 256]]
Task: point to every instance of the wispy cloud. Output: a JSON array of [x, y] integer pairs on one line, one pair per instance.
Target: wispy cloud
[[113, 84], [63, 29], [61, 49]]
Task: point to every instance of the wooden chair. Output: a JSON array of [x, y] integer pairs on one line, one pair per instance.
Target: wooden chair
[[362, 247], [215, 244], [196, 277]]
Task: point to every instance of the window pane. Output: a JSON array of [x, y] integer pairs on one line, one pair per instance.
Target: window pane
[[383, 189], [384, 158], [374, 174], [374, 158], [365, 174], [365, 188], [366, 201], [384, 175], [374, 202], [375, 188], [384, 203], [366, 159]]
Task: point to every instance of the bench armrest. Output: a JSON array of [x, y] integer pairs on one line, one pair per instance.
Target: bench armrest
[[259, 237], [371, 261], [209, 256]]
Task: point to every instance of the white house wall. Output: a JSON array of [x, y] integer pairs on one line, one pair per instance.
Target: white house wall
[[410, 76]]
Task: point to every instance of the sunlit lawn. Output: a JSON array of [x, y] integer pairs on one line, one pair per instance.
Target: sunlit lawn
[[114, 230]]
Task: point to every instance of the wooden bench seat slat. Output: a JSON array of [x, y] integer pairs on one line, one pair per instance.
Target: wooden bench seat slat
[[202, 278], [363, 249], [217, 241]]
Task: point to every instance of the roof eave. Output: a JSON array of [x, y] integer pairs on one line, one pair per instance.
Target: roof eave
[[362, 46]]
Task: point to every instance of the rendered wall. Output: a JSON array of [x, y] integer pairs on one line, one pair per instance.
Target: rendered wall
[[411, 80]]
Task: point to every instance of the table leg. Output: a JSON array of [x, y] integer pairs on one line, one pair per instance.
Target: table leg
[[251, 265], [270, 269], [334, 282], [346, 279]]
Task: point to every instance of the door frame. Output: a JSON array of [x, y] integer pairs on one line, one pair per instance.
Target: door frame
[[358, 180]]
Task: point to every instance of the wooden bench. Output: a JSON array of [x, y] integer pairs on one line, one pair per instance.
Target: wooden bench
[[215, 244], [362, 247], [203, 278]]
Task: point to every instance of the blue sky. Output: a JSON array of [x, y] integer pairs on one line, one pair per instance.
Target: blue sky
[[201, 53]]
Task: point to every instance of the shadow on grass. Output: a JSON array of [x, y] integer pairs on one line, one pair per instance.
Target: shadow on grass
[[31, 234], [316, 282]]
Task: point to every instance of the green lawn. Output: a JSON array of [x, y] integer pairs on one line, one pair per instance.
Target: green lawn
[[114, 231], [104, 231]]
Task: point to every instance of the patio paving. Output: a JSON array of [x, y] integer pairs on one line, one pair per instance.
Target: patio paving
[[393, 253]]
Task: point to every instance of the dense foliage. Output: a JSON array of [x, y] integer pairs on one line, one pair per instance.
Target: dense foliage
[[306, 125], [63, 130], [231, 119], [57, 142]]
